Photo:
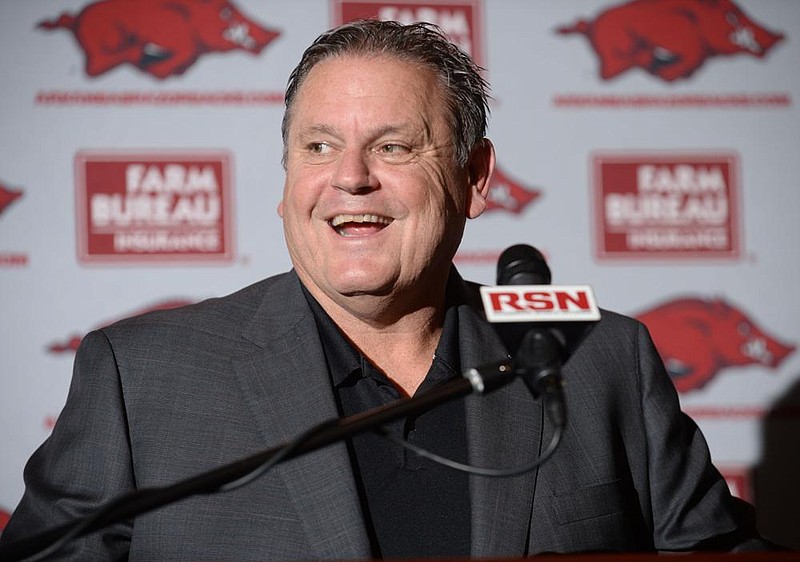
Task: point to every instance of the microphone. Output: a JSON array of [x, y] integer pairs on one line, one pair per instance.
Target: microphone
[[540, 324], [524, 299], [522, 265]]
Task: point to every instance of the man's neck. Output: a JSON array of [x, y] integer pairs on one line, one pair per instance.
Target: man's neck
[[401, 343]]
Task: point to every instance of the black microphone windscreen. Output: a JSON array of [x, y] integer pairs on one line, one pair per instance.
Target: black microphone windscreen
[[522, 264]]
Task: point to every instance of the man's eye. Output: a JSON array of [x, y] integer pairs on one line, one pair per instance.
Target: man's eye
[[395, 152], [319, 147], [395, 149]]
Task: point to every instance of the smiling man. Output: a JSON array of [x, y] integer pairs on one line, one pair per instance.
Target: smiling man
[[375, 202], [385, 161]]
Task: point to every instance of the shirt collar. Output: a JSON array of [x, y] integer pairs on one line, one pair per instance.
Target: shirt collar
[[344, 360]]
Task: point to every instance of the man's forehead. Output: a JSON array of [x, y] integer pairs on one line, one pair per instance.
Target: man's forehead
[[366, 63], [377, 94], [355, 76]]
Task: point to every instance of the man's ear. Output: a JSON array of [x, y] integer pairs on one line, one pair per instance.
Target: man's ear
[[479, 174], [280, 209]]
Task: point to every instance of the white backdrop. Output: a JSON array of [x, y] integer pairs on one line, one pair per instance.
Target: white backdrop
[[723, 139]]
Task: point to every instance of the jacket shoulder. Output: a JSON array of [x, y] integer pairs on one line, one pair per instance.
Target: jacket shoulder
[[222, 315]]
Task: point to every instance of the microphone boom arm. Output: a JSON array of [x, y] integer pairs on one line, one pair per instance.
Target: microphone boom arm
[[480, 380]]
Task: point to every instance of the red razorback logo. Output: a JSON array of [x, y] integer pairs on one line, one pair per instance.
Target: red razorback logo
[[508, 195], [71, 343], [160, 37], [697, 338], [4, 517], [8, 196], [671, 39]]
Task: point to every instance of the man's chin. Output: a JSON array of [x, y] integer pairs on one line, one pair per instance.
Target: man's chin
[[359, 281], [363, 290]]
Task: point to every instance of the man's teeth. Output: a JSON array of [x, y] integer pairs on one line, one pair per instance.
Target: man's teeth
[[341, 219]]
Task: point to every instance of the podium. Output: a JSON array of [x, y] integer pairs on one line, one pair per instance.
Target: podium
[[688, 557]]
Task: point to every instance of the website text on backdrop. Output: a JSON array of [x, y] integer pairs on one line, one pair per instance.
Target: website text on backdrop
[[385, 159]]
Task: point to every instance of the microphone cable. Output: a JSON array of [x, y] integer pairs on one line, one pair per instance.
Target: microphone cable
[[477, 470], [554, 407]]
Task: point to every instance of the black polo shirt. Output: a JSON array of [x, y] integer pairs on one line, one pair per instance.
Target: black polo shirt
[[413, 507]]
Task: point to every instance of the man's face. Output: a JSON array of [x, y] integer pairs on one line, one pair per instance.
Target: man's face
[[373, 202]]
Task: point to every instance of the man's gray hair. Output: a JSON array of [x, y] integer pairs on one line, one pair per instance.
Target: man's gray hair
[[466, 91]]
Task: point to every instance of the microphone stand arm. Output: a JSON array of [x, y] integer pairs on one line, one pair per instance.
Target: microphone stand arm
[[475, 381]]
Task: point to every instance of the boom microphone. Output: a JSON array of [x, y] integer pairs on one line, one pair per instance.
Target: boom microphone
[[540, 324], [524, 299]]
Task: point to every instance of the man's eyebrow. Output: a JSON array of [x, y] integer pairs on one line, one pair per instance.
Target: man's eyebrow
[[317, 129], [377, 132]]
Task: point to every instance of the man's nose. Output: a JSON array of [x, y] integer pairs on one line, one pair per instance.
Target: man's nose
[[352, 173]]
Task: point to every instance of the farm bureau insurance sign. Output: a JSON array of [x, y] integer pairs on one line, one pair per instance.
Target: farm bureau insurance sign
[[159, 207], [664, 205]]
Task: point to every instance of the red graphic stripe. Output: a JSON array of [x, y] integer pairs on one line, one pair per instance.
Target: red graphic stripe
[[476, 257], [13, 260], [587, 101], [127, 98]]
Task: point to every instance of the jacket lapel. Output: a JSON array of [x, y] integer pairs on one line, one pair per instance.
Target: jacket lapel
[[287, 388], [504, 430]]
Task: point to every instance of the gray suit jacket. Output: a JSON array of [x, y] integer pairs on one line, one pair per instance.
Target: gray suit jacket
[[161, 397]]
